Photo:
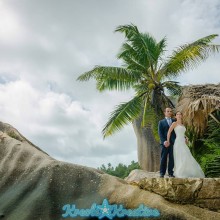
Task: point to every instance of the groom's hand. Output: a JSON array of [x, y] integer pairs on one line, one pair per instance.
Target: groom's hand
[[166, 144]]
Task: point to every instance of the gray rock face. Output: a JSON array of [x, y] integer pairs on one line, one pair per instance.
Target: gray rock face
[[136, 175], [33, 185], [148, 148], [202, 192]]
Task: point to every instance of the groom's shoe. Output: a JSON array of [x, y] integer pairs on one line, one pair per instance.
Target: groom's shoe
[[171, 175], [161, 176]]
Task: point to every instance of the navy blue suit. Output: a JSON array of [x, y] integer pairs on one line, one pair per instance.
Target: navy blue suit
[[163, 128]]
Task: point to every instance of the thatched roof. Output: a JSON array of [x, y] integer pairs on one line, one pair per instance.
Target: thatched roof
[[197, 103]]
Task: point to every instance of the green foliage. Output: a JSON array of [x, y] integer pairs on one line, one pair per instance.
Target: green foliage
[[151, 118], [208, 149], [189, 56], [123, 114], [212, 167], [120, 170], [213, 132]]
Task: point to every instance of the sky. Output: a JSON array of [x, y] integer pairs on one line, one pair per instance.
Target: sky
[[46, 44]]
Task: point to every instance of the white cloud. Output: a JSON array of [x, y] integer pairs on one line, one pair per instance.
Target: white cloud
[[58, 124], [11, 29]]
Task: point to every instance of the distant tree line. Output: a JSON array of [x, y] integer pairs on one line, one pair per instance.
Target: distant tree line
[[120, 170]]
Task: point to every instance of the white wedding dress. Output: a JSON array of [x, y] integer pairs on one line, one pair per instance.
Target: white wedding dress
[[184, 163]]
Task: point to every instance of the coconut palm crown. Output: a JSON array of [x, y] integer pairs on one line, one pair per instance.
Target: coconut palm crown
[[146, 70]]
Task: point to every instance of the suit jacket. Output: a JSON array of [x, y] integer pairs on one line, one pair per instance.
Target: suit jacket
[[163, 128]]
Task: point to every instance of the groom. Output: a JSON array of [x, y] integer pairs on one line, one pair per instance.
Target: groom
[[166, 149]]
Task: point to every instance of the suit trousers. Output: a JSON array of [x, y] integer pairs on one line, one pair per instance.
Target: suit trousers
[[166, 152]]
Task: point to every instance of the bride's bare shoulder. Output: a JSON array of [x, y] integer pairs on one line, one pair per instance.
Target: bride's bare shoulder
[[174, 124]]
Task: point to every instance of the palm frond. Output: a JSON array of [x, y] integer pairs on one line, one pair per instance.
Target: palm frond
[[159, 52], [148, 113], [206, 40], [161, 46], [173, 87], [127, 50], [113, 84], [144, 43], [147, 46], [189, 56], [132, 58], [142, 88], [108, 72], [128, 30], [123, 114], [134, 64], [150, 118], [151, 45], [166, 101]]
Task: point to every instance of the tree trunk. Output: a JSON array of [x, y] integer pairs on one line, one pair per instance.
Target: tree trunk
[[148, 148]]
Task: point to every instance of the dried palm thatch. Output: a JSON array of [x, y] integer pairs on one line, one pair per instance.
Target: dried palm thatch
[[197, 103]]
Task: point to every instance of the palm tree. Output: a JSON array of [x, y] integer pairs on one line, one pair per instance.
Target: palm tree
[[150, 74]]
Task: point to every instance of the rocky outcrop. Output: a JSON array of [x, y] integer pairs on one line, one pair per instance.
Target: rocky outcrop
[[33, 186], [136, 175], [202, 192], [148, 147]]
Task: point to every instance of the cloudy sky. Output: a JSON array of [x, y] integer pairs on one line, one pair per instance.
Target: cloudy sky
[[46, 44]]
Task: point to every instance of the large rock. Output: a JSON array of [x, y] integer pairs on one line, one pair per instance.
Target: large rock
[[148, 147], [33, 186], [202, 192], [136, 175]]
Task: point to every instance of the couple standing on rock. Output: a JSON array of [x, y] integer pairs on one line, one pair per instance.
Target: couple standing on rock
[[173, 145]]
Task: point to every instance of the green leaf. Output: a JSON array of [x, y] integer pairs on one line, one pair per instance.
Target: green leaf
[[189, 56], [123, 114], [148, 114], [113, 84], [173, 88], [108, 72]]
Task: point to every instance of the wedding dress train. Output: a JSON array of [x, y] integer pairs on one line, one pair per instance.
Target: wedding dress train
[[185, 164]]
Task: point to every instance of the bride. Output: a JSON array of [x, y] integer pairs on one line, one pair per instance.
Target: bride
[[184, 163]]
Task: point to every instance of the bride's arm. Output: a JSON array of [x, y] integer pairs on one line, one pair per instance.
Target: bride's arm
[[170, 130]]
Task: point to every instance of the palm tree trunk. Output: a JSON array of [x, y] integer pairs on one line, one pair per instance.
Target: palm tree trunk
[[148, 148]]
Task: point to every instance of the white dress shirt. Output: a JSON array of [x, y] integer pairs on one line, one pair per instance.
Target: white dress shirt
[[169, 121]]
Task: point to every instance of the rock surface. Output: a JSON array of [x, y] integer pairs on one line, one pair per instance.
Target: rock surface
[[136, 175], [202, 192], [33, 185]]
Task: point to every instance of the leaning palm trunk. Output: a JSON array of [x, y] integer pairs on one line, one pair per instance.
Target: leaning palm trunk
[[148, 148]]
